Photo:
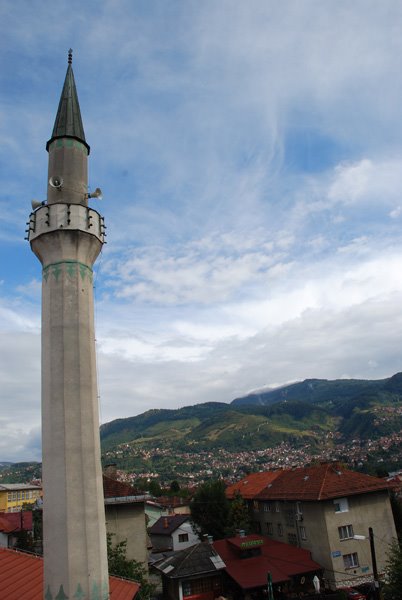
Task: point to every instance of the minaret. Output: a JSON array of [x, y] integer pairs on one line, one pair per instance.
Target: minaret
[[67, 236]]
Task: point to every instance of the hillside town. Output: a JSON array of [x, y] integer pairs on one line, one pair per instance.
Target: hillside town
[[197, 466], [312, 529]]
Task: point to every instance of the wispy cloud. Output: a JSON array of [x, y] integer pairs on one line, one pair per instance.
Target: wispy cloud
[[250, 160]]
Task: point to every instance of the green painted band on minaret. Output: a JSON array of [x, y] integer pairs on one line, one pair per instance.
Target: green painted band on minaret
[[72, 267], [68, 142]]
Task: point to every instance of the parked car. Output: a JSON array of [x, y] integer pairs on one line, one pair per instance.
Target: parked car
[[352, 594]]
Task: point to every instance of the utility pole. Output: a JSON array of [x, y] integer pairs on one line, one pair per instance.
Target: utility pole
[[374, 564]]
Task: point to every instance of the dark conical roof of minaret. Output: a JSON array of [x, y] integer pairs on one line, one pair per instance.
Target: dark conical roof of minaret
[[68, 123]]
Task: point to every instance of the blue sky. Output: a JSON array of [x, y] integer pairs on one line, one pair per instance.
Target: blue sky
[[250, 156]]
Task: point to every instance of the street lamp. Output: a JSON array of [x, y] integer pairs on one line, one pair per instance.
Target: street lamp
[[373, 561]]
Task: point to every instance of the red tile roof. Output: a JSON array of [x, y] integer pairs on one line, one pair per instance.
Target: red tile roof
[[16, 521], [320, 482], [281, 560], [251, 485], [21, 576], [117, 489], [172, 501]]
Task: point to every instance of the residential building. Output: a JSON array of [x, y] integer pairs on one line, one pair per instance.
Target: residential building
[[250, 558], [21, 576], [172, 532], [13, 496], [166, 505], [11, 524], [250, 486], [125, 518], [192, 574], [322, 508]]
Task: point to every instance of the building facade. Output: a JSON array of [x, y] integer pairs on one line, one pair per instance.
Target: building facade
[[125, 518], [13, 496], [173, 532], [328, 510]]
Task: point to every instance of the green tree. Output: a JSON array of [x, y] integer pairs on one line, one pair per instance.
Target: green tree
[[24, 541], [393, 572], [238, 515], [154, 488], [121, 566], [210, 509], [175, 487]]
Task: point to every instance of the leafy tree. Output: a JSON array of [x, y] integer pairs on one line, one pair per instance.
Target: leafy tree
[[238, 515], [175, 486], [24, 541], [210, 509], [121, 566], [154, 488], [393, 572]]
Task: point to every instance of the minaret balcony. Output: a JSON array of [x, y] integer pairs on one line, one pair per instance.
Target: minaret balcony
[[73, 217]]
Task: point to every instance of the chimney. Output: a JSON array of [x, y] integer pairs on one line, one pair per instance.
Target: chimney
[[166, 523]]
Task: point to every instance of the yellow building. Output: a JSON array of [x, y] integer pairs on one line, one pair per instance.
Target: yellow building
[[14, 495]]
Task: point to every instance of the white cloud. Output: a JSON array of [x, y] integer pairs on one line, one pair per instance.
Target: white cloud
[[367, 181], [250, 160]]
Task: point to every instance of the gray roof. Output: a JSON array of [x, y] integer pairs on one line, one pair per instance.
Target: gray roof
[[68, 121], [11, 487], [196, 560], [167, 524]]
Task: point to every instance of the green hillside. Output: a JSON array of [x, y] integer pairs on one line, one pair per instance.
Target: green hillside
[[300, 412]]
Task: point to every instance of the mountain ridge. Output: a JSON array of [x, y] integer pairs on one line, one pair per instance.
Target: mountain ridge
[[304, 410]]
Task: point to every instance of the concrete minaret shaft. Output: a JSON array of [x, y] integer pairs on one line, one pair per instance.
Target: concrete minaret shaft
[[66, 235]]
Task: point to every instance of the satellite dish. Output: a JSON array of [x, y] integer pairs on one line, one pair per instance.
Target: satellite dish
[[56, 181], [37, 203]]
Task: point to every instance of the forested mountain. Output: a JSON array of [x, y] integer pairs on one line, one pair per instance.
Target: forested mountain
[[298, 412]]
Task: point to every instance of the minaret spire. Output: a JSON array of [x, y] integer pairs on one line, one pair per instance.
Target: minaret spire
[[68, 122]]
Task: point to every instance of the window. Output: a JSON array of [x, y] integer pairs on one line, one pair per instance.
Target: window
[[290, 518], [183, 537], [267, 507], [9, 496], [280, 529], [186, 588], [299, 510], [14, 495], [350, 560], [277, 506], [255, 505], [270, 529], [345, 532], [30, 494], [292, 539], [200, 586], [341, 505], [302, 530], [257, 526]]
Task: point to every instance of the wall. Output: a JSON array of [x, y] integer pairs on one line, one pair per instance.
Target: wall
[[127, 522], [185, 528]]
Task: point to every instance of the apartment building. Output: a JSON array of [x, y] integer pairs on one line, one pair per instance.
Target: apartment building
[[13, 496], [327, 510]]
